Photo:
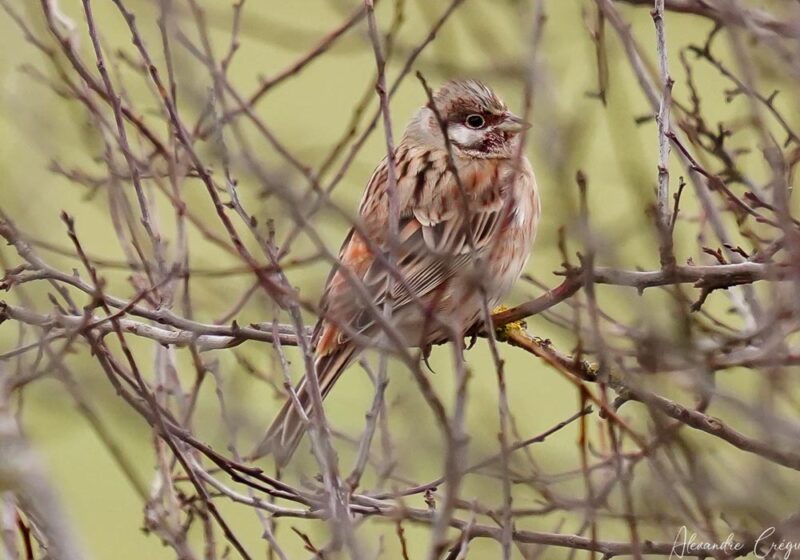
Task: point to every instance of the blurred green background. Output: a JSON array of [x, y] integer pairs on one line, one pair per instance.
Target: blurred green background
[[309, 113]]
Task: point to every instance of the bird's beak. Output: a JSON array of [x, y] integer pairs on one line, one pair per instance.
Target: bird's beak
[[513, 123]]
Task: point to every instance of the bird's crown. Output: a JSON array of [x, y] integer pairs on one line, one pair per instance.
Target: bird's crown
[[464, 96]]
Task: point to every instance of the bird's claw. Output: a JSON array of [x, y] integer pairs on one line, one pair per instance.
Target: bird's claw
[[426, 353]]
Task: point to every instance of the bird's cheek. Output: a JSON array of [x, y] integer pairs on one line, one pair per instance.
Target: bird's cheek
[[463, 136]]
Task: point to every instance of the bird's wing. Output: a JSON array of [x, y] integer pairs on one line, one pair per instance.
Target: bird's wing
[[436, 239]]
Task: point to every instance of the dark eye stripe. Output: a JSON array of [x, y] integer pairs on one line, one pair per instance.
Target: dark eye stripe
[[460, 117]]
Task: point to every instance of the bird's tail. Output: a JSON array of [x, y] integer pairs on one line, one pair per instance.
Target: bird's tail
[[288, 428]]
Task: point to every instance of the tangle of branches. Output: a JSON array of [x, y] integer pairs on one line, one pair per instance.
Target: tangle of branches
[[637, 399]]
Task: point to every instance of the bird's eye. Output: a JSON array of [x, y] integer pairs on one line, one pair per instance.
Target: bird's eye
[[475, 121]]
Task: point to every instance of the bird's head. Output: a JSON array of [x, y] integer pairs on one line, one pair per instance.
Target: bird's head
[[477, 122]]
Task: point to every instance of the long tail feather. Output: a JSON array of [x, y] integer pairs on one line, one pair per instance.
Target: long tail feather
[[288, 428]]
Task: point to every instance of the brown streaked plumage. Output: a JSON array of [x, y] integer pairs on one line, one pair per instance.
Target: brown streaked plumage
[[446, 255]]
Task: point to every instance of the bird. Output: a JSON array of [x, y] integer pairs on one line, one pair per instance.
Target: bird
[[468, 210]]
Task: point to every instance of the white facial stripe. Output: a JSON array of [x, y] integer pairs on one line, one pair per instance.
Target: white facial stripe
[[464, 136]]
